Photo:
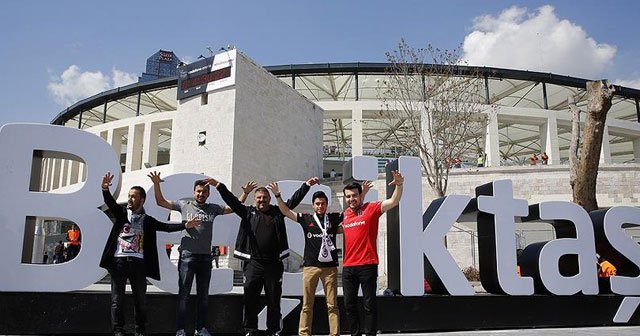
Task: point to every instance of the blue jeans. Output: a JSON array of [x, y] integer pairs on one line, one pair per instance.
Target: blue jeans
[[190, 265]]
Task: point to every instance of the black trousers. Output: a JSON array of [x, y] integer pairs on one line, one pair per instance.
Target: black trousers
[[133, 269], [352, 278], [259, 274], [72, 251]]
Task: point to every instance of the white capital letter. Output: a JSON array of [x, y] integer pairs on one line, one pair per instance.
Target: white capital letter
[[497, 239], [17, 145], [583, 245]]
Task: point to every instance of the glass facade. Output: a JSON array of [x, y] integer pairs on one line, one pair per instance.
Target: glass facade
[[162, 64]]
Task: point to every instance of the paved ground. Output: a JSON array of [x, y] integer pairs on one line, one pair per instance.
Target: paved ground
[[595, 331]]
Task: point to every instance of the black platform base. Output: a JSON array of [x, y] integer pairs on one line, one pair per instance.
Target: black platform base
[[88, 313]]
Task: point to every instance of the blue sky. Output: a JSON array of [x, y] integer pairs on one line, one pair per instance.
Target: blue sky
[[56, 52]]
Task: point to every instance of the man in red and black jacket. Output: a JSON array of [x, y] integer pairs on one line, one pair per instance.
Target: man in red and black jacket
[[262, 243], [131, 253]]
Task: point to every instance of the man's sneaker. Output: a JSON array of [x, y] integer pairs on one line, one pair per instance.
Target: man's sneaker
[[202, 332], [181, 332], [118, 333]]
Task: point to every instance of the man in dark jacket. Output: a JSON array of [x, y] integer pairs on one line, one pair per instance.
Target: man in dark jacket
[[262, 243], [131, 252]]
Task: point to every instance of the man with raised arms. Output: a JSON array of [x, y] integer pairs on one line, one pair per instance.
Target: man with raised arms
[[195, 248], [360, 264], [131, 253], [262, 244]]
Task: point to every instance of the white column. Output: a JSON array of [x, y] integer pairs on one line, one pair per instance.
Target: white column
[[57, 173], [492, 141], [150, 144], [38, 242], [114, 137], [82, 172], [110, 135], [50, 170], [636, 150], [549, 139], [65, 173], [75, 172], [605, 151], [44, 173], [356, 131], [134, 147]]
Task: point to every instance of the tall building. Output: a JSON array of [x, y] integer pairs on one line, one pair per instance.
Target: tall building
[[160, 65]]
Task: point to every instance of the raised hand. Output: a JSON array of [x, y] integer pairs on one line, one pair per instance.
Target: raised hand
[[312, 181], [366, 186], [106, 181], [398, 180], [212, 182], [249, 186], [193, 223], [155, 177], [274, 187]]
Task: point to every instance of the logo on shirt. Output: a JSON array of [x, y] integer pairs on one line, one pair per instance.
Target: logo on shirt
[[201, 215], [350, 225], [316, 235]]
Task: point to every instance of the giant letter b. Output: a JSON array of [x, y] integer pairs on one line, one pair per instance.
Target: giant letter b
[[17, 145]]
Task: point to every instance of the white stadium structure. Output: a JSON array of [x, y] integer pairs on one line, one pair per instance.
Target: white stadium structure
[[300, 120]]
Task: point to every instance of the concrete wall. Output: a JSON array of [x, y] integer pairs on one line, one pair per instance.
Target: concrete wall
[[617, 184], [217, 118], [258, 129], [278, 133]]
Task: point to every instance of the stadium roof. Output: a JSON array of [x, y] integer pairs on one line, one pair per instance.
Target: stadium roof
[[361, 82]]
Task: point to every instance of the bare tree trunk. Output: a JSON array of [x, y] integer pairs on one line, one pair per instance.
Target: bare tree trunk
[[575, 140], [600, 94]]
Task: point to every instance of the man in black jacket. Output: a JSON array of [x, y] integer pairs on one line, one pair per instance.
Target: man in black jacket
[[131, 252], [262, 243]]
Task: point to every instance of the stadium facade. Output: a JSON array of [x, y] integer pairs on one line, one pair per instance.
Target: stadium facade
[[296, 121]]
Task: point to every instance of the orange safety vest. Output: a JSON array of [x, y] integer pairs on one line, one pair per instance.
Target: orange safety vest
[[74, 237]]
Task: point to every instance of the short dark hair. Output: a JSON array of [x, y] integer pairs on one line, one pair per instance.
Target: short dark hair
[[319, 194], [262, 190], [351, 186], [140, 190], [202, 183]]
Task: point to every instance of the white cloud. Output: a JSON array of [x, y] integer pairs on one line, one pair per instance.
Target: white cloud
[[631, 83], [74, 84], [536, 41], [121, 78], [186, 59]]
